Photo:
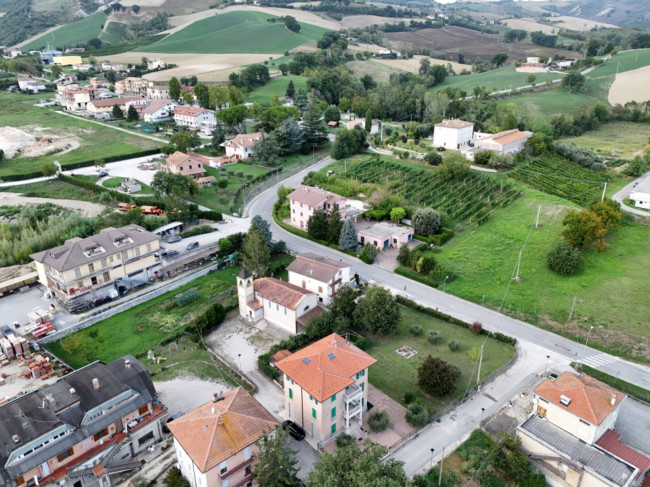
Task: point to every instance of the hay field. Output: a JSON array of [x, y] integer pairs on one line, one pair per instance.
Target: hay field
[[379, 72], [630, 86], [576, 23], [352, 21], [413, 65], [530, 25]]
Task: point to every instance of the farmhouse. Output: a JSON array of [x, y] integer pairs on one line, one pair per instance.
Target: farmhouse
[[131, 86], [570, 435], [193, 117], [191, 165], [98, 83], [12, 52], [106, 106], [384, 235], [641, 194], [100, 415], [159, 111], [241, 146], [319, 274], [30, 85], [307, 199], [75, 98], [453, 134], [506, 142], [361, 122], [155, 64], [280, 303], [326, 387], [83, 268], [216, 443]]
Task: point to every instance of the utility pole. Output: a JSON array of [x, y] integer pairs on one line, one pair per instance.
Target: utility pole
[[572, 307], [480, 362], [441, 461], [602, 198], [539, 208], [516, 278]]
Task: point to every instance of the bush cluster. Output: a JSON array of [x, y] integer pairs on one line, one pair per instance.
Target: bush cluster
[[378, 421], [417, 415]]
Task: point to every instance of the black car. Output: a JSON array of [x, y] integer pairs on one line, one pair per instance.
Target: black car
[[6, 331], [168, 253], [170, 419], [295, 430]]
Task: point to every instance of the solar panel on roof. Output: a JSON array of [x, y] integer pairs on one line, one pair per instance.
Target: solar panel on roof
[[332, 356], [307, 361]]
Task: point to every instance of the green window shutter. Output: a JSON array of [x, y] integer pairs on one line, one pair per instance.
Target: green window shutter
[[334, 412], [310, 398], [313, 412], [357, 375], [334, 398], [316, 401], [290, 393], [334, 428], [362, 386]]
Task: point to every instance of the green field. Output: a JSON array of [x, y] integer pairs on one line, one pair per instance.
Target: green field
[[78, 32], [379, 72], [497, 79], [277, 86], [608, 294], [618, 140], [95, 141], [395, 375], [623, 61], [53, 188], [236, 32]]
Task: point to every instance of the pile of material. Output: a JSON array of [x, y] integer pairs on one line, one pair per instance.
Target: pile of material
[[11, 347], [39, 367], [13, 141]]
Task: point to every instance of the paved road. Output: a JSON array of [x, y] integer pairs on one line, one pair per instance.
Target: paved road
[[621, 194], [535, 344]]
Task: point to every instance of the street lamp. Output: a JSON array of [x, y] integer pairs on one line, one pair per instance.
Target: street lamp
[[482, 413], [546, 371], [239, 355], [444, 284], [588, 333], [432, 450]]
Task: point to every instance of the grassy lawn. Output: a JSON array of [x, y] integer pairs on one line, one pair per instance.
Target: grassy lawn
[[78, 32], [236, 32], [380, 72], [395, 375], [53, 188], [114, 183], [93, 141], [278, 86], [497, 79], [609, 297], [145, 326], [619, 140], [623, 61]]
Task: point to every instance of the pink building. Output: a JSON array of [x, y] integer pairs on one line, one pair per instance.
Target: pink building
[[384, 235], [306, 199]]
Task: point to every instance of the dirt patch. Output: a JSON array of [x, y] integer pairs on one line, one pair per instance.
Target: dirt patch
[[406, 351], [413, 65], [530, 25], [630, 86], [36, 142], [84, 207], [143, 3]]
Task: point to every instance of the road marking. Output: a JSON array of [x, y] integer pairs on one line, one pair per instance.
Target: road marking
[[599, 359]]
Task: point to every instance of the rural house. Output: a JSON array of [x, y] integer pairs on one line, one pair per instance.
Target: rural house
[[307, 199], [193, 117], [75, 98], [191, 165], [384, 235], [159, 110], [158, 92], [506, 142], [30, 85], [99, 416], [97, 107], [326, 387], [131, 86], [641, 194], [241, 146], [82, 268], [216, 442], [453, 134], [279, 303], [570, 434], [319, 274], [155, 64]]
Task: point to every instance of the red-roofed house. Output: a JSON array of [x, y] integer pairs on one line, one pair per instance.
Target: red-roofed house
[[280, 303], [241, 146], [326, 387], [319, 274], [216, 442], [191, 165], [506, 142], [193, 117], [307, 199]]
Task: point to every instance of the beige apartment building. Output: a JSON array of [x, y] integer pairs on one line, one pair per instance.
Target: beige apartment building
[[76, 271], [326, 387]]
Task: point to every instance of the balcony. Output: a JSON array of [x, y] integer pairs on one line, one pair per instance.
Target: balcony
[[352, 409], [237, 468], [353, 393]]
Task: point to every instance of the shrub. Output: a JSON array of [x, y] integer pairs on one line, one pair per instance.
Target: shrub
[[416, 330], [476, 327], [200, 230], [417, 415], [344, 440], [369, 254], [434, 337], [378, 421], [436, 377], [425, 264], [454, 345], [409, 397], [564, 259], [426, 221], [433, 158]]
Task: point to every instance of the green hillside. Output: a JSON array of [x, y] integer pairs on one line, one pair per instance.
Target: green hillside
[[277, 86], [236, 32], [77, 32], [497, 79], [623, 61]]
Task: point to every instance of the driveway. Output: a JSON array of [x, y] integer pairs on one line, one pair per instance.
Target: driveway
[[127, 168], [621, 194]]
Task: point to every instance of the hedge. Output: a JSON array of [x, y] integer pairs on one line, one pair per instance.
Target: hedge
[[438, 239], [403, 271], [450, 319]]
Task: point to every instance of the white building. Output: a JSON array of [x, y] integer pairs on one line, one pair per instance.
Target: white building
[[453, 134], [280, 303], [12, 52], [193, 117], [30, 85], [159, 111], [506, 142], [318, 274], [641, 194], [155, 64], [241, 146]]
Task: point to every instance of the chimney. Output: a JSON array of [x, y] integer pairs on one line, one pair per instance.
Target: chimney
[[72, 390], [16, 438], [96, 383], [127, 364], [213, 410], [612, 401]]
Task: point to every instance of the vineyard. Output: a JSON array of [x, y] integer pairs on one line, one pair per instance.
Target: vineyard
[[558, 176], [472, 199]]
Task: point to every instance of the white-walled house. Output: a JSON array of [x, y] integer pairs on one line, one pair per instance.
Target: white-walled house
[[641, 194], [159, 110], [506, 142], [193, 117], [241, 146], [453, 134], [30, 85], [319, 274]]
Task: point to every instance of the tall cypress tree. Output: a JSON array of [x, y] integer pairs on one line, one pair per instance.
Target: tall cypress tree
[[314, 126], [291, 90], [348, 236]]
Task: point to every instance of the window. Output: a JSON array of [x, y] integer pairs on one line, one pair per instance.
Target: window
[[110, 259], [313, 412], [357, 376], [62, 456], [80, 284], [143, 410], [248, 471], [93, 280], [247, 453], [363, 372], [334, 398], [20, 480], [148, 247], [285, 311], [310, 397], [91, 267], [277, 307], [77, 272], [290, 393], [145, 438], [137, 251], [104, 262], [304, 284], [334, 412], [118, 256], [223, 468], [106, 276], [333, 430], [362, 386]]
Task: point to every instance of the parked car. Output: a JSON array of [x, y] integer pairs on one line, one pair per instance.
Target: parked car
[[35, 346], [102, 174], [168, 253], [174, 239], [295, 430], [223, 264], [170, 419], [192, 245], [6, 330]]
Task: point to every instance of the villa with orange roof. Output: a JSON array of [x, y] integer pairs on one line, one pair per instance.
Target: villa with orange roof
[[326, 387], [280, 303], [216, 442], [570, 435], [195, 118]]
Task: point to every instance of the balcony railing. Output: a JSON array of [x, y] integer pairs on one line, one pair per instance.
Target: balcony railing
[[352, 409], [237, 468], [353, 393]]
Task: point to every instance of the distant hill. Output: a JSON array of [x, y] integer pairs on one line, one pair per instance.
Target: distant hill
[[624, 13]]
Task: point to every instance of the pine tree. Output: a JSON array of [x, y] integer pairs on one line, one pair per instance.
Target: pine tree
[[255, 252], [301, 100], [218, 138], [368, 121], [348, 237], [315, 130], [118, 114], [291, 90], [317, 226], [276, 465], [290, 136], [132, 114], [263, 226], [174, 88]]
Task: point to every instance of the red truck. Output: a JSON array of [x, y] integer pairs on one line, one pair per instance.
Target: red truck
[[152, 210]]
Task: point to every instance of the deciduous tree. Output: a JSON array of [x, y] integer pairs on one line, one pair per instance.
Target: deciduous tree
[[276, 463], [264, 228], [317, 225], [377, 313], [174, 88], [584, 230], [168, 184], [426, 221], [436, 377], [564, 259], [574, 81]]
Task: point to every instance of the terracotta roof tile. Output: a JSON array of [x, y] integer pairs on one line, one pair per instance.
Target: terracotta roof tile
[[109, 102], [245, 140], [330, 366], [189, 111], [591, 400], [321, 268], [311, 196], [507, 136], [210, 437], [610, 441], [280, 292]]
